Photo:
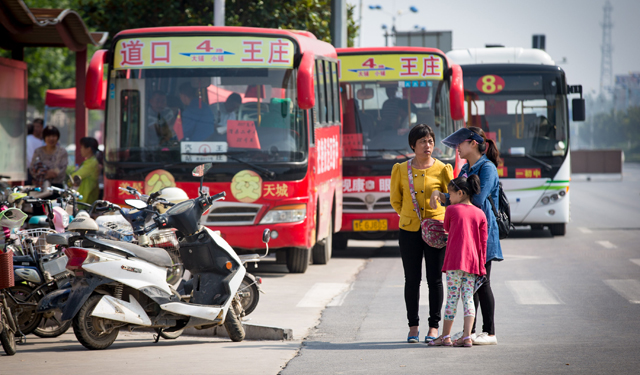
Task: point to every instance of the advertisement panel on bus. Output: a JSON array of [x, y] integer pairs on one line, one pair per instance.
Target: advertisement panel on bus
[[385, 92], [245, 100]]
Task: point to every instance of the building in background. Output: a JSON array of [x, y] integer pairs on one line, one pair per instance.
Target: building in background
[[626, 91]]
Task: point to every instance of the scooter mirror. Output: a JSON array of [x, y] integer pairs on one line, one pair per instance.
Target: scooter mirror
[[136, 203], [201, 170], [76, 180], [266, 235]]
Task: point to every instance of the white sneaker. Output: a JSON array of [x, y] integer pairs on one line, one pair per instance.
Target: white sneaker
[[484, 339], [459, 335]]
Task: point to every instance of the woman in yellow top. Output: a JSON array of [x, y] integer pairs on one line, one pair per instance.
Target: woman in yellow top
[[89, 171], [428, 174]]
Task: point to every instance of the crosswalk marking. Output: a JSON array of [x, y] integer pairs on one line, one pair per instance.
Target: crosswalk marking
[[629, 289], [584, 230], [636, 261], [339, 299], [532, 292], [606, 244], [321, 294]]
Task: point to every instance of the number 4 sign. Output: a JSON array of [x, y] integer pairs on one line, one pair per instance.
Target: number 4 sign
[[242, 134]]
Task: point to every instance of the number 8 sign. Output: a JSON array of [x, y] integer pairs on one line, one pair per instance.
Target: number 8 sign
[[490, 84]]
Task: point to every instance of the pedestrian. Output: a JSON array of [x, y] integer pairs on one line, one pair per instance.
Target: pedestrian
[[482, 159], [34, 140], [428, 174], [89, 171], [465, 256], [49, 162]]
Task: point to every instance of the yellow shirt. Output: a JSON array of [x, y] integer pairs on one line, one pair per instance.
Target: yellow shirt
[[89, 171], [425, 181]]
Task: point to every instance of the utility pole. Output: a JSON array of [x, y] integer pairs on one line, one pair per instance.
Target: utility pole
[[606, 67], [339, 23], [218, 13], [360, 24]]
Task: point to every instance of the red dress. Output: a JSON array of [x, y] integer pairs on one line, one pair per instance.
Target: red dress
[[467, 243]]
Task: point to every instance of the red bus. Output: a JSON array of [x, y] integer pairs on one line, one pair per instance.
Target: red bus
[[385, 92], [262, 105]]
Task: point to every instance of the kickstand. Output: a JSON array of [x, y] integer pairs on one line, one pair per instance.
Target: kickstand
[[156, 338]]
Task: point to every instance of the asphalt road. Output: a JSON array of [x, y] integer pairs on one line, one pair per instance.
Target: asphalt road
[[563, 305]]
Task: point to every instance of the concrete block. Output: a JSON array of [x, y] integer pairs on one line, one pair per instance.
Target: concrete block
[[252, 332]]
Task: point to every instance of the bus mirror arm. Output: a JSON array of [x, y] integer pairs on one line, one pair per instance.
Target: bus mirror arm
[[456, 93], [306, 91], [94, 85]]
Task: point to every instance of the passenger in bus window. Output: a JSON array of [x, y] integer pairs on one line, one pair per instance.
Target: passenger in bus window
[[227, 111], [160, 120], [197, 119]]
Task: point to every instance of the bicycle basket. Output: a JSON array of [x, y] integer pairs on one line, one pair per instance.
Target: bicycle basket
[[38, 237], [12, 218]]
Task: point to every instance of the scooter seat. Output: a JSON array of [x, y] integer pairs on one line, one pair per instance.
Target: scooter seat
[[60, 238], [153, 255]]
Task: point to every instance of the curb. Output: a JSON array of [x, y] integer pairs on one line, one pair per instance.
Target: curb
[[251, 332]]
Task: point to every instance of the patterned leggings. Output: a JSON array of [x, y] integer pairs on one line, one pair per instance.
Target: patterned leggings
[[459, 282]]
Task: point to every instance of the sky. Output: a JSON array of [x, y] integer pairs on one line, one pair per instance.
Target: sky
[[572, 28]]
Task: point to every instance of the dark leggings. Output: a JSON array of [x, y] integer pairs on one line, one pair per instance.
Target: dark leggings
[[484, 297], [413, 249]]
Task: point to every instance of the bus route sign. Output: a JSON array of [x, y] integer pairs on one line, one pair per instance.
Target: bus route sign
[[204, 52], [391, 67]]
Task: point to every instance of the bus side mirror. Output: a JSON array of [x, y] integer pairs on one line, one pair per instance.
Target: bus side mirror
[[94, 85], [306, 91], [456, 94], [578, 110]]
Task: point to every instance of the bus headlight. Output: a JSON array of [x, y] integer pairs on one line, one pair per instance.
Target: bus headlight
[[285, 214]]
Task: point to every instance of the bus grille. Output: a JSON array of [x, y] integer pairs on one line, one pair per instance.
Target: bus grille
[[231, 213], [354, 204]]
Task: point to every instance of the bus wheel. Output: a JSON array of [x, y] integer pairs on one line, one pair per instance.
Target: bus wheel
[[322, 250], [558, 229], [340, 241], [298, 259]]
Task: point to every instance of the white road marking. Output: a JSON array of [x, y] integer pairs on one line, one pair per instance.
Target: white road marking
[[606, 244], [584, 230], [629, 289], [532, 292], [339, 299], [636, 261], [321, 294], [520, 257]]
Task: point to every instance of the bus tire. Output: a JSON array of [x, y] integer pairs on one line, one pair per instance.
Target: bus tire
[[340, 241], [322, 250], [298, 259], [558, 229]]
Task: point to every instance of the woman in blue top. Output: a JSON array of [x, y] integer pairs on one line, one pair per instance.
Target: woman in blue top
[[482, 158]]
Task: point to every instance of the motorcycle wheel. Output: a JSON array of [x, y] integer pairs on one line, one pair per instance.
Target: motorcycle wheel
[[249, 295], [28, 320], [51, 325], [7, 337], [92, 332], [169, 335], [234, 327]]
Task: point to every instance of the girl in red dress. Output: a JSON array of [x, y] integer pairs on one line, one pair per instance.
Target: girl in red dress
[[465, 255]]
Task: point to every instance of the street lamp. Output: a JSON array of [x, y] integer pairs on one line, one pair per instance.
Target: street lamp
[[398, 14]]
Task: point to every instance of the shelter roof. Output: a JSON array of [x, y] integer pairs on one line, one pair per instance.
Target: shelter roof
[[24, 27]]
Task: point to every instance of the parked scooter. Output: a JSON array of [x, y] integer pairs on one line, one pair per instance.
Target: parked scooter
[[108, 273]]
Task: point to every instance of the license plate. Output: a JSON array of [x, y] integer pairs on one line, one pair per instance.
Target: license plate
[[370, 225]]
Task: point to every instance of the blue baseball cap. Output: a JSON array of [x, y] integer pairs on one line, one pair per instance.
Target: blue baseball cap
[[461, 135]]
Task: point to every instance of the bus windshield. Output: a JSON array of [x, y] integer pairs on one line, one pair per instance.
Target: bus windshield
[[186, 114], [525, 114], [379, 115]]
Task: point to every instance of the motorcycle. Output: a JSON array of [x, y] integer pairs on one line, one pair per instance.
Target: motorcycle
[[107, 272]]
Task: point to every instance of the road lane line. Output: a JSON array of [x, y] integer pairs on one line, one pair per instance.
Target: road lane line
[[606, 244], [532, 292], [636, 261], [321, 294], [629, 289], [584, 230]]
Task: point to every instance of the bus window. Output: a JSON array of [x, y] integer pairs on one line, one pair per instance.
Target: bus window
[[329, 87], [130, 118], [336, 92], [322, 103]]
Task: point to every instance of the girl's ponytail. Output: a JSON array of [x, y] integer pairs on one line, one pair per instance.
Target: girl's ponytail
[[469, 185], [473, 182]]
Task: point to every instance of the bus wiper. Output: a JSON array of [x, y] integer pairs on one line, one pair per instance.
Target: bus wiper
[[264, 171], [546, 166]]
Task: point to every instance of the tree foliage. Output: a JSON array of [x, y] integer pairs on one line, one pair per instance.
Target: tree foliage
[[611, 130], [53, 68]]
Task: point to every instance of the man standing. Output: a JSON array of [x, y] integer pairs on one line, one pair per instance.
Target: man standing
[[34, 140], [160, 119], [228, 112], [197, 119]]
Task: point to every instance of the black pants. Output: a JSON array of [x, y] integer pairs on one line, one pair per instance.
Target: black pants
[[484, 297], [413, 249]]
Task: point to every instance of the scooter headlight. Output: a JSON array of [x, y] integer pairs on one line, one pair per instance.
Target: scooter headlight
[[285, 214]]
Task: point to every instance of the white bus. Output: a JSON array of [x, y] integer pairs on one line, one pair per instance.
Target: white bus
[[519, 98]]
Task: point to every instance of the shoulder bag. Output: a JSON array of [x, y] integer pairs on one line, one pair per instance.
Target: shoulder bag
[[433, 232]]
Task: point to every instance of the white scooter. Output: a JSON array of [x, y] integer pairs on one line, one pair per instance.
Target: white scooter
[[120, 284]]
